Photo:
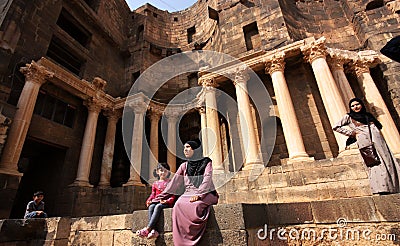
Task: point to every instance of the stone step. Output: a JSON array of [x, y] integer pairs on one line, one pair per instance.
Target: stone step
[[229, 224]]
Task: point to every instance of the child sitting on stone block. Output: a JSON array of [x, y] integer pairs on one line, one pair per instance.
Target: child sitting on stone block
[[162, 173], [35, 208]]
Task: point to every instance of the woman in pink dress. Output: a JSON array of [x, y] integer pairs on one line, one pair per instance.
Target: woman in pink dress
[[191, 210]]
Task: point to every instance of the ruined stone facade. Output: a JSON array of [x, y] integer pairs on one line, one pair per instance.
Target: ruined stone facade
[[67, 67]]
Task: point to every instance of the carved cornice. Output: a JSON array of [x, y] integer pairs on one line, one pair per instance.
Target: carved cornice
[[36, 73], [99, 83], [314, 50], [275, 63]]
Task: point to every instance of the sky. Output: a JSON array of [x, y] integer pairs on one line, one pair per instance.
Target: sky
[[171, 6]]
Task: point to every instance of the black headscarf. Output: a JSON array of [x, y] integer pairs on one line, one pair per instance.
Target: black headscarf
[[363, 116], [196, 165]]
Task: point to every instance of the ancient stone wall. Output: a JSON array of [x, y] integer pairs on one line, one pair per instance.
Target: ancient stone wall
[[339, 221]]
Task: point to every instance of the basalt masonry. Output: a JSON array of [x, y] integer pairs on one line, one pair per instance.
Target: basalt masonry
[[67, 69]]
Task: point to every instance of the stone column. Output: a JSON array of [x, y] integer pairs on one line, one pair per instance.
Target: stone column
[[203, 120], [139, 109], [85, 158], [35, 76], [108, 151], [249, 136], [213, 130], [315, 53], [336, 65], [153, 153], [290, 125], [377, 105], [172, 118]]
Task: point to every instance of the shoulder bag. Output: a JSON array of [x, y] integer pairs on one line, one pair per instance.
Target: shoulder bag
[[369, 154]]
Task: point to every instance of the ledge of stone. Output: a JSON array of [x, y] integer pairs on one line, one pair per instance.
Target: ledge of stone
[[229, 224]]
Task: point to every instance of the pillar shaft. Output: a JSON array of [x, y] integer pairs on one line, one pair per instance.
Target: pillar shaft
[[290, 125], [153, 155], [213, 133], [35, 76], [85, 158], [203, 122], [108, 151], [330, 94], [249, 137], [137, 141], [172, 118], [336, 65], [374, 98]]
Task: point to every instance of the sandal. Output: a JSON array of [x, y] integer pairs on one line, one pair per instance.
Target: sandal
[[142, 232], [153, 234]]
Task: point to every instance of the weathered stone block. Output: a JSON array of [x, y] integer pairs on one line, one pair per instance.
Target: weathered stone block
[[101, 238], [293, 213], [388, 206], [353, 210], [85, 224], [116, 222]]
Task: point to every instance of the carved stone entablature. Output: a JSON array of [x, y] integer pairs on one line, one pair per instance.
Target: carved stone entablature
[[275, 63], [394, 6], [99, 83], [36, 73], [314, 50]]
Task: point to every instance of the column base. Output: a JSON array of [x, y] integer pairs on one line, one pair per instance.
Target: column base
[[255, 169], [253, 165], [104, 185], [347, 152], [133, 183], [300, 158], [80, 183], [218, 171], [12, 172]]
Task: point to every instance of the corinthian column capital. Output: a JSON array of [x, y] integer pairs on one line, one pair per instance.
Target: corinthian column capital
[[360, 66], [113, 114], [207, 82], [93, 105], [314, 50], [241, 74], [275, 63], [36, 73], [172, 115]]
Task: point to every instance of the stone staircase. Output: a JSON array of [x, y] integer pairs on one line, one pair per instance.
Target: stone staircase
[[372, 220]]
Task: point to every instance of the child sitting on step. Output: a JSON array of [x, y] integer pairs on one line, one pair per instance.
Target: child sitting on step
[[162, 173]]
